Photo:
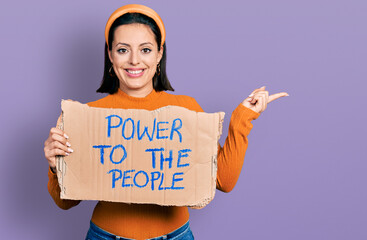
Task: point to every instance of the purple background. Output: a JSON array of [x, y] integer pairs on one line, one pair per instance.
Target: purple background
[[304, 175]]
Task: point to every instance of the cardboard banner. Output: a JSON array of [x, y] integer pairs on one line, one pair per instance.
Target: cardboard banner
[[166, 156]]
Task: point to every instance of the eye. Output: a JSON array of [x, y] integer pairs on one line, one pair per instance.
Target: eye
[[122, 50], [146, 50]]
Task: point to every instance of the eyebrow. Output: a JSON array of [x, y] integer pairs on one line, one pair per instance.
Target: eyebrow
[[129, 44]]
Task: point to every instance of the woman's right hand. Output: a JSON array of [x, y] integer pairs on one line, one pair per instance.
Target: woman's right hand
[[56, 144]]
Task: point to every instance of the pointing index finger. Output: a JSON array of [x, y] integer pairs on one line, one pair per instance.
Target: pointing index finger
[[276, 96]]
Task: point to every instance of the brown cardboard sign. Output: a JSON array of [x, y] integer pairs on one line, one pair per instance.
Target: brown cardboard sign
[[166, 156]]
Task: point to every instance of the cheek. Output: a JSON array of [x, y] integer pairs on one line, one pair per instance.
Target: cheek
[[113, 57], [119, 60], [151, 62]]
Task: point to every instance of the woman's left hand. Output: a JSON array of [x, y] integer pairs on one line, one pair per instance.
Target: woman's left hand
[[259, 99]]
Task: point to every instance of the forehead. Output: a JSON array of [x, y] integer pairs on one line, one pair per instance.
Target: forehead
[[134, 33]]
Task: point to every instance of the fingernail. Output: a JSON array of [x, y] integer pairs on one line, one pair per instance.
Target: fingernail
[[68, 144], [70, 150], [249, 99], [263, 87], [66, 136], [251, 95], [287, 95], [67, 154]]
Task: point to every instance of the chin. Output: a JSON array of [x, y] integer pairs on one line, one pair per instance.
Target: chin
[[137, 85]]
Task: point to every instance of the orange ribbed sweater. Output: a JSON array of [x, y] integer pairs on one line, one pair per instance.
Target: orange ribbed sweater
[[142, 221]]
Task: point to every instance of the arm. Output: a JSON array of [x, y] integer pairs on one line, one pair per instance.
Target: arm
[[231, 156]]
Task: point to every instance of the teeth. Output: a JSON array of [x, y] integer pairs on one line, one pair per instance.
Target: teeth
[[135, 72]]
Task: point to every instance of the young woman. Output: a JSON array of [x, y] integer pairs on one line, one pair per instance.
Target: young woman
[[135, 77]]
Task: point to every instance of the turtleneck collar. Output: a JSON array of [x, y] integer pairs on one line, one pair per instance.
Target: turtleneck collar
[[150, 97]]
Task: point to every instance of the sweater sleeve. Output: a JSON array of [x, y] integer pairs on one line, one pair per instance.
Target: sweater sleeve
[[231, 156], [54, 190]]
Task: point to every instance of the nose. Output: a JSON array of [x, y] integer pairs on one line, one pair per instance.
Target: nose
[[134, 58]]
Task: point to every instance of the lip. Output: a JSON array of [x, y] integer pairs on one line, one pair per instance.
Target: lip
[[134, 69]]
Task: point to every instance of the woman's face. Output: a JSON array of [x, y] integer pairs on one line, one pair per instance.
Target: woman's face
[[135, 56]]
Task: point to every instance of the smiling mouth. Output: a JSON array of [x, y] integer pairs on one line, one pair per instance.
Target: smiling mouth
[[134, 72]]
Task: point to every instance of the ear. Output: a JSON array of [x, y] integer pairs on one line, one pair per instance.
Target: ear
[[160, 55], [109, 55]]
